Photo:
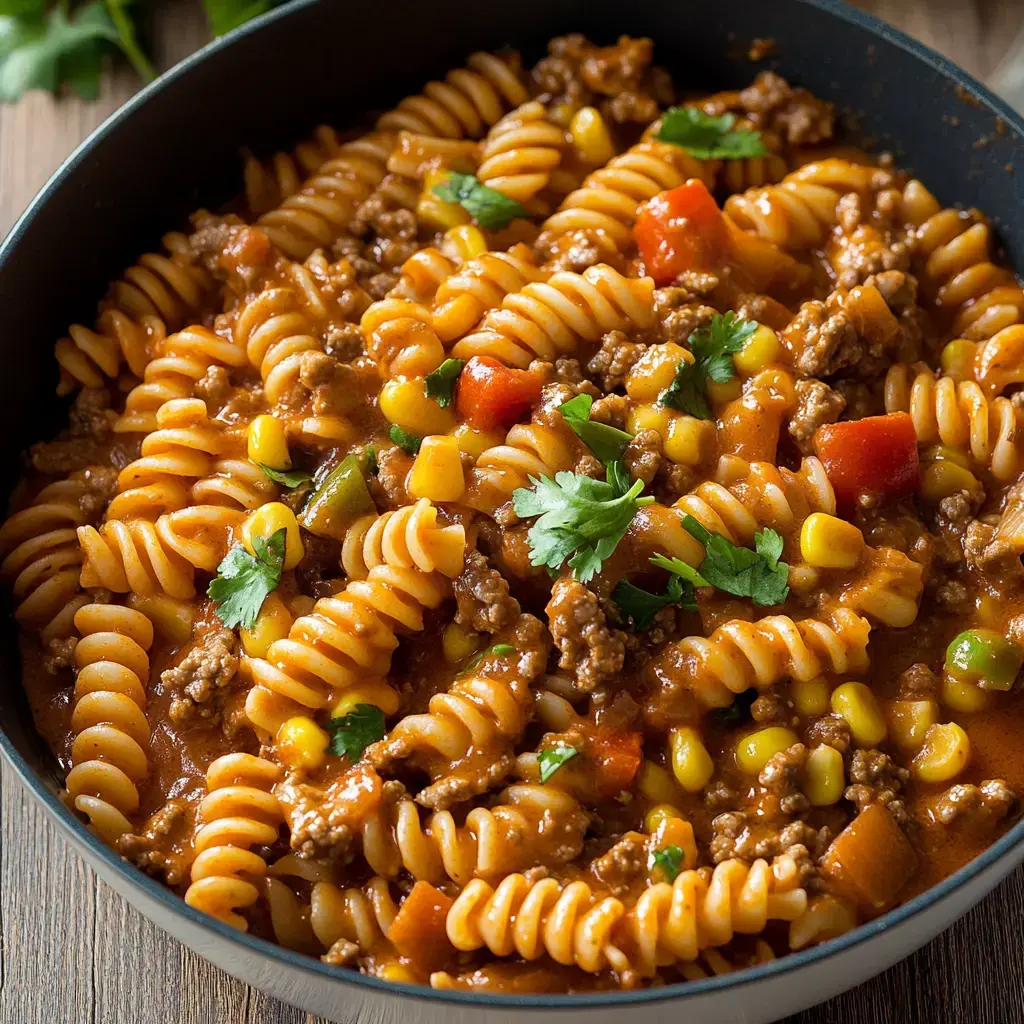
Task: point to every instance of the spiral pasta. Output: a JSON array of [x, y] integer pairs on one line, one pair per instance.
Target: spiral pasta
[[108, 756], [90, 357], [361, 916], [234, 483], [268, 182]]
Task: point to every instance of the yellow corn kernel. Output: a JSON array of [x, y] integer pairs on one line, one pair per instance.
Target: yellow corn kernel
[[856, 703], [272, 623], [268, 442], [405, 403], [690, 441], [755, 750], [809, 696], [655, 370], [825, 779], [656, 784], [909, 720], [458, 643], [433, 211], [266, 521], [944, 754], [691, 762], [301, 604], [171, 617], [396, 971], [945, 453], [957, 359], [373, 691], [962, 695], [590, 137], [464, 242], [943, 478], [475, 441], [830, 543], [761, 348], [561, 113], [727, 391], [656, 815], [649, 417], [437, 472], [301, 743]]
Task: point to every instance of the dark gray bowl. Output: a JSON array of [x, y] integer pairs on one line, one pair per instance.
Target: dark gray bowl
[[175, 147]]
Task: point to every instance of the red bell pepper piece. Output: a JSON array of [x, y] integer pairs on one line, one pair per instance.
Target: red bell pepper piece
[[491, 394], [617, 756]]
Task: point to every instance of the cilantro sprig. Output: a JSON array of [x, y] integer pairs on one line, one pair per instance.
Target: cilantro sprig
[[580, 519], [551, 759], [713, 348], [409, 443], [491, 209], [244, 580], [707, 137], [608, 443], [351, 734], [290, 478], [669, 860], [641, 606], [439, 384]]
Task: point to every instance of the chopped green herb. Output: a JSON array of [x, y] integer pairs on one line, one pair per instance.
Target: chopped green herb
[[707, 137], [498, 651], [353, 733], [669, 860], [739, 710], [491, 209], [371, 467], [552, 758], [290, 478], [640, 606], [439, 384], [713, 347], [409, 443], [618, 476], [244, 580], [608, 443], [581, 519]]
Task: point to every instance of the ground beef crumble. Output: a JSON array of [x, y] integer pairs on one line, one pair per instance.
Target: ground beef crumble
[[610, 365], [482, 597], [817, 403], [200, 681], [876, 778], [986, 803], [590, 649], [159, 847]]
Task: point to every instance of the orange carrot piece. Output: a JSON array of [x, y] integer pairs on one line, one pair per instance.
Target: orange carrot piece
[[418, 931]]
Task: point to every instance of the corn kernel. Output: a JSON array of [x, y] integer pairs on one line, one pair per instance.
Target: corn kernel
[[691, 762], [690, 441], [857, 705], [465, 242], [171, 617], [301, 743], [761, 348], [830, 543], [909, 720], [266, 521], [941, 479], [268, 442], [458, 643], [946, 453], [374, 691], [963, 695], [656, 784], [404, 402], [755, 750], [272, 623], [649, 417], [433, 211], [825, 778], [727, 391], [301, 604], [475, 441], [437, 472], [656, 815], [944, 754], [655, 370], [561, 113], [957, 359], [590, 137], [399, 972], [809, 696]]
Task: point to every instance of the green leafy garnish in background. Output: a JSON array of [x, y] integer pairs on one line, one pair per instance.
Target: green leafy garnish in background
[[409, 443], [439, 384], [290, 478], [707, 137]]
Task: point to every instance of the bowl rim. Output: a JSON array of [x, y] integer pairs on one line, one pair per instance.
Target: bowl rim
[[77, 832]]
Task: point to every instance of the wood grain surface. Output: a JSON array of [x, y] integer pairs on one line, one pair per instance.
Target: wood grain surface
[[73, 952]]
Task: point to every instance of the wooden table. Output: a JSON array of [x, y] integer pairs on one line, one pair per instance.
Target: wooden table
[[72, 951]]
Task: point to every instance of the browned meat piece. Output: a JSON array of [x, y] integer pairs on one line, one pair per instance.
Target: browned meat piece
[[643, 456], [680, 312], [795, 114], [718, 796], [876, 778], [986, 804], [331, 384], [953, 518], [781, 777], [772, 707], [612, 409], [817, 403], [822, 342], [482, 597], [393, 468], [162, 846], [673, 481], [613, 361], [859, 249], [214, 388], [60, 654], [623, 865], [199, 682], [393, 233], [344, 342], [461, 784], [592, 651], [831, 730], [578, 250], [918, 682], [235, 253], [735, 835], [91, 414]]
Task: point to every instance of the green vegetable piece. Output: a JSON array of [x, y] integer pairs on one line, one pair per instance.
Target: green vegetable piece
[[641, 606], [439, 384], [608, 443], [338, 501], [669, 860], [552, 758], [984, 657], [409, 443], [353, 733], [498, 651], [707, 137], [491, 209], [244, 580], [290, 478], [370, 465]]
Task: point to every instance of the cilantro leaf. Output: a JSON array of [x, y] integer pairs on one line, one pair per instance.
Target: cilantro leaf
[[353, 733], [707, 137], [608, 443], [580, 519], [552, 758], [713, 347], [244, 580], [669, 860], [618, 476], [371, 467], [409, 443], [641, 606], [678, 567], [225, 15], [491, 209], [498, 650], [290, 478], [439, 384]]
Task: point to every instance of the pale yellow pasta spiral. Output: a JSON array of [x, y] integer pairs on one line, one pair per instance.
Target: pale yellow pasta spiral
[[234, 483], [712, 962], [549, 319], [362, 916], [269, 181], [401, 339], [239, 812], [999, 362], [90, 357], [109, 721], [754, 171]]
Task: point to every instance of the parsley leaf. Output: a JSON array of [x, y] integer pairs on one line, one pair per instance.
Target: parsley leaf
[[244, 580], [498, 650], [641, 605], [608, 443], [678, 567], [353, 733], [669, 859], [713, 347], [407, 442], [581, 519], [491, 209], [707, 137], [439, 384], [290, 478], [552, 758], [225, 15]]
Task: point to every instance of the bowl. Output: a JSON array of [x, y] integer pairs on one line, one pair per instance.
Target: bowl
[[175, 147]]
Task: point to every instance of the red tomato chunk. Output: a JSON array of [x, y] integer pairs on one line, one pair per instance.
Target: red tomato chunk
[[617, 756], [493, 395]]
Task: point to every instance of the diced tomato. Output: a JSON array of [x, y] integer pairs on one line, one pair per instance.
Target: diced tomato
[[681, 229], [419, 929], [493, 395], [876, 455], [617, 756]]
